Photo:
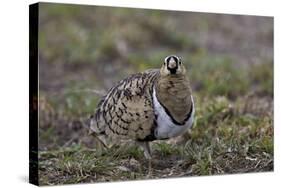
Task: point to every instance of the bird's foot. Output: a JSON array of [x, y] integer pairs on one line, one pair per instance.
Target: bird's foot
[[150, 170]]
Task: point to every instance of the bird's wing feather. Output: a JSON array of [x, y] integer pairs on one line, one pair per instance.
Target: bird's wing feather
[[127, 110]]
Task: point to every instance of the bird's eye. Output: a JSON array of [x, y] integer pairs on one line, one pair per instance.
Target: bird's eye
[[180, 62]]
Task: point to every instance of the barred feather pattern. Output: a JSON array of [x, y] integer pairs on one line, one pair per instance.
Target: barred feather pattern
[[127, 109]]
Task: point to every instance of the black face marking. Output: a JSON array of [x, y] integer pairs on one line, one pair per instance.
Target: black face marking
[[176, 60], [173, 71]]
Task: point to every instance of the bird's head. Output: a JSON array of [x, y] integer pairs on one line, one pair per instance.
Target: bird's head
[[172, 66]]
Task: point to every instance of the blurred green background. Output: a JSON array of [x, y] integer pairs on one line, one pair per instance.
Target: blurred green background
[[229, 60]]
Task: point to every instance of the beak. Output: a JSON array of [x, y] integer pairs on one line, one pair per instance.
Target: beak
[[172, 65]]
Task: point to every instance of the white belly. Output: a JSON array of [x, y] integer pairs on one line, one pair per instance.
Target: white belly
[[165, 126]]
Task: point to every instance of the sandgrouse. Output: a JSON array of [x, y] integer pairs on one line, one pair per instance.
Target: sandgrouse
[[152, 105]]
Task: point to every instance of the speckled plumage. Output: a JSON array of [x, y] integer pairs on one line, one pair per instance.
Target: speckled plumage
[[127, 110], [155, 104]]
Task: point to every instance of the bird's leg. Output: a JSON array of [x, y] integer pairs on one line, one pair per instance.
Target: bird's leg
[[147, 153], [101, 141]]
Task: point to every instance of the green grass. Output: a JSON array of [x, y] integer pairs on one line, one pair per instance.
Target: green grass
[[221, 141], [82, 49]]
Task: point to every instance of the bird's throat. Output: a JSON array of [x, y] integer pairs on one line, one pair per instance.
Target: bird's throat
[[174, 94]]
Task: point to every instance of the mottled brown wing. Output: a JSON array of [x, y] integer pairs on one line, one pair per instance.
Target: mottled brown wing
[[127, 110]]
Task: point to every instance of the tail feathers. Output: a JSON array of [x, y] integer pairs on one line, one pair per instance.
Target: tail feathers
[[86, 125], [93, 127], [101, 139], [99, 135]]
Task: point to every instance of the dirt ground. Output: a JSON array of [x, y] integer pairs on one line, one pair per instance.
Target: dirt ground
[[229, 60]]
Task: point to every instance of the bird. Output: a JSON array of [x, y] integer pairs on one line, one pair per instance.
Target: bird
[[156, 104]]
